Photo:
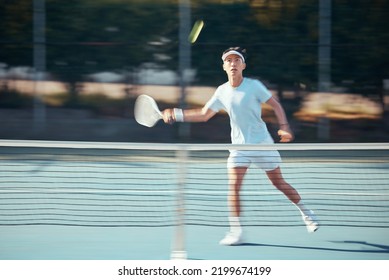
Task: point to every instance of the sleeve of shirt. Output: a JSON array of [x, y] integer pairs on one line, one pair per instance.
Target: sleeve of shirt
[[214, 103], [263, 93]]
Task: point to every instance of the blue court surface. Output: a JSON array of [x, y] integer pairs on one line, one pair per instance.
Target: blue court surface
[[61, 206], [270, 243]]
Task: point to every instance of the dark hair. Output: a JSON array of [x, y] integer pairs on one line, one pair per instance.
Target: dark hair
[[240, 50]]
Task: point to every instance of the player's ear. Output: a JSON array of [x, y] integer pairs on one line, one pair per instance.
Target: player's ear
[[244, 65]]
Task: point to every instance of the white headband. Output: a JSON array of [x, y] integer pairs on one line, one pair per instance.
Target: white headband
[[232, 52]]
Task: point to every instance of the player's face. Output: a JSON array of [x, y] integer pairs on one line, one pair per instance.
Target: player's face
[[234, 65]]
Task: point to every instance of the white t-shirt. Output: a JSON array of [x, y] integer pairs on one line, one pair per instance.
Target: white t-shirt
[[243, 105]]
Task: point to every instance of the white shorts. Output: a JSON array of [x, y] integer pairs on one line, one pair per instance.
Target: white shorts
[[267, 160]]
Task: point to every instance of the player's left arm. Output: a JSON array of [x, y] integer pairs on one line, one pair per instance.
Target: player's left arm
[[284, 131]]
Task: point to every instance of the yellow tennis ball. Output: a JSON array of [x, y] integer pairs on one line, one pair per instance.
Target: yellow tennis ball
[[194, 34]]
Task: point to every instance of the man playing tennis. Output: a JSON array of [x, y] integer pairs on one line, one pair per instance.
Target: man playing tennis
[[241, 98]]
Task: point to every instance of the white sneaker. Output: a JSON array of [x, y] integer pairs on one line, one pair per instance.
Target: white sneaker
[[232, 238], [311, 222]]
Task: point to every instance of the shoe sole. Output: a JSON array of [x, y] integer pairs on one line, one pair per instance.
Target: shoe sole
[[240, 242]]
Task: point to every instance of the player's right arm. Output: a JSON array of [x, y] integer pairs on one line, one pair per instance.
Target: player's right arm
[[171, 116]]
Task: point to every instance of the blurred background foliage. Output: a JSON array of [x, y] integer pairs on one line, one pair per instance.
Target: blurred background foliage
[[281, 37], [126, 37]]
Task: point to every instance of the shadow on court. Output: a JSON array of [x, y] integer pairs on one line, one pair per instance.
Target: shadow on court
[[383, 249]]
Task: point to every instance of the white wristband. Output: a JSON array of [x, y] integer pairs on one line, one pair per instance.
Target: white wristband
[[178, 114]]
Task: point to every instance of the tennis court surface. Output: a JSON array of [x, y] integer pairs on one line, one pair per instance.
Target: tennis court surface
[[117, 201]]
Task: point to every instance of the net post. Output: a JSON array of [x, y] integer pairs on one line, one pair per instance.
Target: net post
[[178, 250]]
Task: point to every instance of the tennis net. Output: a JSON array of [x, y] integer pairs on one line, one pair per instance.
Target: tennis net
[[139, 185]]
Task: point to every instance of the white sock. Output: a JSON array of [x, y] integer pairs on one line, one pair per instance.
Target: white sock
[[235, 225], [304, 211]]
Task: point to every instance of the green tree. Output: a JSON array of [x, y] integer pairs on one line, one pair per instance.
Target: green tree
[[16, 32], [91, 36], [361, 44]]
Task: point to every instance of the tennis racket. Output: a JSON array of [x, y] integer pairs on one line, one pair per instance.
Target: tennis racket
[[146, 111]]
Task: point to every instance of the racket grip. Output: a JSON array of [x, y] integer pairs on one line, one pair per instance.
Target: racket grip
[[178, 114]]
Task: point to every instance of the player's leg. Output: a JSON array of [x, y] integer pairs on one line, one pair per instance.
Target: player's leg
[[275, 176], [235, 176]]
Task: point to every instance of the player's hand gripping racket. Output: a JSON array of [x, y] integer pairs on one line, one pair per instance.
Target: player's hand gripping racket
[[146, 111]]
